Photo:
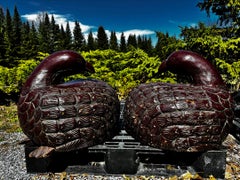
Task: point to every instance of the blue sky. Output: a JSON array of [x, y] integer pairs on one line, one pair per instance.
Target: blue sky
[[140, 17]]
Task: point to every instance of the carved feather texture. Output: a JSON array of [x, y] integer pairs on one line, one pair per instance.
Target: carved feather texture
[[70, 117], [179, 117]]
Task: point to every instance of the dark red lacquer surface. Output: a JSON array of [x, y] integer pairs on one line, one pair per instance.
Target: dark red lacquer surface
[[181, 117], [67, 116]]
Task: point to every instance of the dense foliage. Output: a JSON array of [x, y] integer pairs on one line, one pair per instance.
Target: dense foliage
[[124, 71], [123, 64], [228, 11], [121, 70], [215, 44]]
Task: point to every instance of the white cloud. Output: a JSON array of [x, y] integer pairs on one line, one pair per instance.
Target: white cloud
[[183, 23], [63, 19], [30, 17], [59, 19], [137, 32], [193, 24]]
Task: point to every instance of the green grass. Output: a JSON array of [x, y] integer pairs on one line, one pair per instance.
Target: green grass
[[9, 119]]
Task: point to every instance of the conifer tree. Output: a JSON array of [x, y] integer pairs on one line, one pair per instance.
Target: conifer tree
[[102, 39], [132, 41], [8, 39], [29, 41], [16, 33], [54, 33], [162, 42], [25, 32], [113, 41], [91, 44], [145, 44], [78, 38], [68, 37], [8, 27], [165, 45], [2, 18], [2, 29], [149, 47], [140, 42], [44, 35], [62, 37], [33, 40], [123, 46]]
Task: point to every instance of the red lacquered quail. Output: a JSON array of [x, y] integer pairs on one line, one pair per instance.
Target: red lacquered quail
[[67, 116], [181, 117]]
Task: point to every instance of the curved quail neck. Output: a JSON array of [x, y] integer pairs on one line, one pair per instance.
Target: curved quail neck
[[203, 72], [192, 64], [53, 67]]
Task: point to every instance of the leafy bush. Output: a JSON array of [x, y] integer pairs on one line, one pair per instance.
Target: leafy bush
[[11, 79], [231, 73], [123, 71]]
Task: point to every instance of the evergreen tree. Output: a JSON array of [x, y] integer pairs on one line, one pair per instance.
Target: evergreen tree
[[123, 46], [2, 18], [102, 39], [139, 42], [8, 39], [84, 47], [33, 40], [113, 41], [2, 29], [145, 44], [29, 41], [62, 36], [132, 41], [8, 27], [68, 37], [44, 34], [16, 33], [78, 38], [149, 47], [57, 46], [162, 42], [26, 46], [91, 44], [54, 33], [166, 45]]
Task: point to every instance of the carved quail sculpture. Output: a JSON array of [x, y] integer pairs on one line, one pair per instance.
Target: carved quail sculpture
[[181, 117], [58, 116]]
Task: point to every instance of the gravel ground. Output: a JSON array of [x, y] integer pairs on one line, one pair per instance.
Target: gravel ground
[[12, 163], [13, 167]]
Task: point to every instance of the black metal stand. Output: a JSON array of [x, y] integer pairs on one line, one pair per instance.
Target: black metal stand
[[123, 155], [235, 131]]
